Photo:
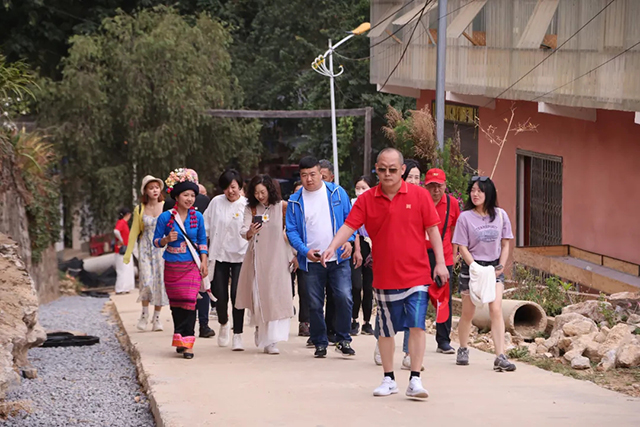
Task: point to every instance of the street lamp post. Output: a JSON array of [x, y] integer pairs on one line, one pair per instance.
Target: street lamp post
[[320, 66]]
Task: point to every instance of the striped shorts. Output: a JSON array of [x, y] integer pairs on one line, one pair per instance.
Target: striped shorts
[[401, 309]]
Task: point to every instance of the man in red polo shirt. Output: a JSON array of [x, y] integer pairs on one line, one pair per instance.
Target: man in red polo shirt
[[448, 211], [396, 216]]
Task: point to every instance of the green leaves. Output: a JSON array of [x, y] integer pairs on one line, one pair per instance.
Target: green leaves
[[132, 102]]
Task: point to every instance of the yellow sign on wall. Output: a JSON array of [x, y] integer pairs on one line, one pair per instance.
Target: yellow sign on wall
[[458, 113]]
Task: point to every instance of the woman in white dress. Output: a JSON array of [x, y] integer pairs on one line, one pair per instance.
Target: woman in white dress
[[150, 262], [264, 287]]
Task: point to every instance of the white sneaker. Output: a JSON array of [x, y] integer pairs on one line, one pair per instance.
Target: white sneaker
[[237, 343], [157, 325], [376, 356], [388, 387], [271, 349], [415, 389], [223, 335], [143, 322], [406, 363], [255, 338]]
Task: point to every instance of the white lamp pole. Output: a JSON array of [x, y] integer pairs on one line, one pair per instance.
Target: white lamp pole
[[320, 66]]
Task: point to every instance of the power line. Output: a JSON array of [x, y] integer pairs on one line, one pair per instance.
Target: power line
[[415, 27], [588, 72], [550, 55], [391, 15]]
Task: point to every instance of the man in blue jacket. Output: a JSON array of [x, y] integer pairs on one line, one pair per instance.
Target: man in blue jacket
[[314, 215]]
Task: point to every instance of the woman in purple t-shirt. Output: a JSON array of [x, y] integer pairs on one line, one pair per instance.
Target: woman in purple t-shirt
[[483, 232]]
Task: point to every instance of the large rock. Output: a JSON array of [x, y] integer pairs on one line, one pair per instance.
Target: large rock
[[591, 309], [19, 327], [628, 356], [608, 361], [580, 362], [618, 336], [626, 300], [579, 327], [563, 319]]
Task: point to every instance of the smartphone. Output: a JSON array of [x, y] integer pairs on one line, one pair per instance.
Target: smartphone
[[317, 255], [257, 219], [438, 281]]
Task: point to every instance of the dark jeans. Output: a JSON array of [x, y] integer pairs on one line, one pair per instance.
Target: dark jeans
[[303, 295], [337, 277], [362, 285], [184, 321], [202, 305], [330, 313], [221, 275]]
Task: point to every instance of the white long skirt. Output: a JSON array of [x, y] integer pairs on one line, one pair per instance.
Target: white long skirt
[[126, 280], [269, 332]]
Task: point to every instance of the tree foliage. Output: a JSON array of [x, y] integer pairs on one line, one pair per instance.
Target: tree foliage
[[131, 102]]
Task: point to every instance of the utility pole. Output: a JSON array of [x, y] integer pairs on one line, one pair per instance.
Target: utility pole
[[441, 70]]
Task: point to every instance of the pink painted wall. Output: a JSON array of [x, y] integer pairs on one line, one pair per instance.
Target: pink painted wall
[[601, 172]]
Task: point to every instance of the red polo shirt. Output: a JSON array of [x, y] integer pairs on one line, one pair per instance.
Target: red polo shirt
[[397, 229], [454, 213]]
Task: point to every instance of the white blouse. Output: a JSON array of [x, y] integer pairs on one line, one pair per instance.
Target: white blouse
[[223, 221]]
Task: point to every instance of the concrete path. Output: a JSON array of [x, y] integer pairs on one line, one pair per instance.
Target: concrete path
[[224, 388]]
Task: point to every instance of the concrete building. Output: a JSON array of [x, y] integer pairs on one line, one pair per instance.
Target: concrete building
[[572, 68]]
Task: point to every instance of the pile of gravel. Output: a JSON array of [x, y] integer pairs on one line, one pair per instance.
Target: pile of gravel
[[88, 386]]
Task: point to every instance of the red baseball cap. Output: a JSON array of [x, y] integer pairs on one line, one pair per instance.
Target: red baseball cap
[[435, 175]]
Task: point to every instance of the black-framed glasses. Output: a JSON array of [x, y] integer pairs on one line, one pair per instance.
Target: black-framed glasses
[[479, 178]]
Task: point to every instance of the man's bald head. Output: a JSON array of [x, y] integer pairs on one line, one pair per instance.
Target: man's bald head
[[390, 151]]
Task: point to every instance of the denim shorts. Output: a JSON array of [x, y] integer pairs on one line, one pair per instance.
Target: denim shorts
[[463, 277], [401, 309]]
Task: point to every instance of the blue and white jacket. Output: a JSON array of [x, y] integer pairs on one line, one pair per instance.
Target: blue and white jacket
[[339, 206]]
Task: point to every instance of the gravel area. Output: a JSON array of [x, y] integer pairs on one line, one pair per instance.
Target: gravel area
[[88, 386]]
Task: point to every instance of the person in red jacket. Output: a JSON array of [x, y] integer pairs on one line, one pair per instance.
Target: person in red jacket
[[448, 211], [397, 215]]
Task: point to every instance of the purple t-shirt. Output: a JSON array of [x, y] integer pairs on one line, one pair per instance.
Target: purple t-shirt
[[481, 235]]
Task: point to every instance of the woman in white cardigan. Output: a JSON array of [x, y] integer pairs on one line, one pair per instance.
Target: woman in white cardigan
[[482, 233]]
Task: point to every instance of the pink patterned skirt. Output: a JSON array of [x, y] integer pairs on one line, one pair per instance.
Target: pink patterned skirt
[[182, 281]]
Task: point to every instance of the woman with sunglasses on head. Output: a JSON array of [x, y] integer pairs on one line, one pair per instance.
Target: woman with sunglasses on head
[[263, 286], [482, 233], [181, 230]]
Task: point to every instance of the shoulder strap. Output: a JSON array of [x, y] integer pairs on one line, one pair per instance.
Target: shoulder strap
[[446, 220], [193, 248]]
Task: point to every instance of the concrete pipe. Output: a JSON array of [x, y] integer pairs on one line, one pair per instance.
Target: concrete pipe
[[523, 318], [99, 264]]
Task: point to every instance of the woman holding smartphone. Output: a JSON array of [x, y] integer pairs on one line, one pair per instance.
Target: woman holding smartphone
[[264, 286], [482, 233]]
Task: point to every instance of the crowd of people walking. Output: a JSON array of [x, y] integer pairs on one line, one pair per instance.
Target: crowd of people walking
[[394, 243]]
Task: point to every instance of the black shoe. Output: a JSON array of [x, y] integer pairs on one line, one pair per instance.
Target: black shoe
[[332, 338], [207, 332], [355, 328], [344, 347], [180, 350], [187, 355], [321, 352], [367, 329], [310, 343]]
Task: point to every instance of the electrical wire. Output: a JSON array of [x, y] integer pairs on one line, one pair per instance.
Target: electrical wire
[[415, 27]]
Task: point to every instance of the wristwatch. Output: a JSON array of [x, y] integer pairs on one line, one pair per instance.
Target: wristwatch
[[499, 267]]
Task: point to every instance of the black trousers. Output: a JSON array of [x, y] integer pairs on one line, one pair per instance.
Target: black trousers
[[223, 272], [202, 306], [303, 295], [362, 285], [184, 321]]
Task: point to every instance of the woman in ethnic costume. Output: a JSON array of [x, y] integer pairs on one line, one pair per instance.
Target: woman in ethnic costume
[[185, 257], [150, 262], [264, 287]]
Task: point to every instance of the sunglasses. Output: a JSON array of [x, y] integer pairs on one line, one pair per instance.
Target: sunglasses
[[383, 171], [479, 178]]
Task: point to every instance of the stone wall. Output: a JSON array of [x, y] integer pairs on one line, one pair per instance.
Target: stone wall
[[13, 223], [19, 327]]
